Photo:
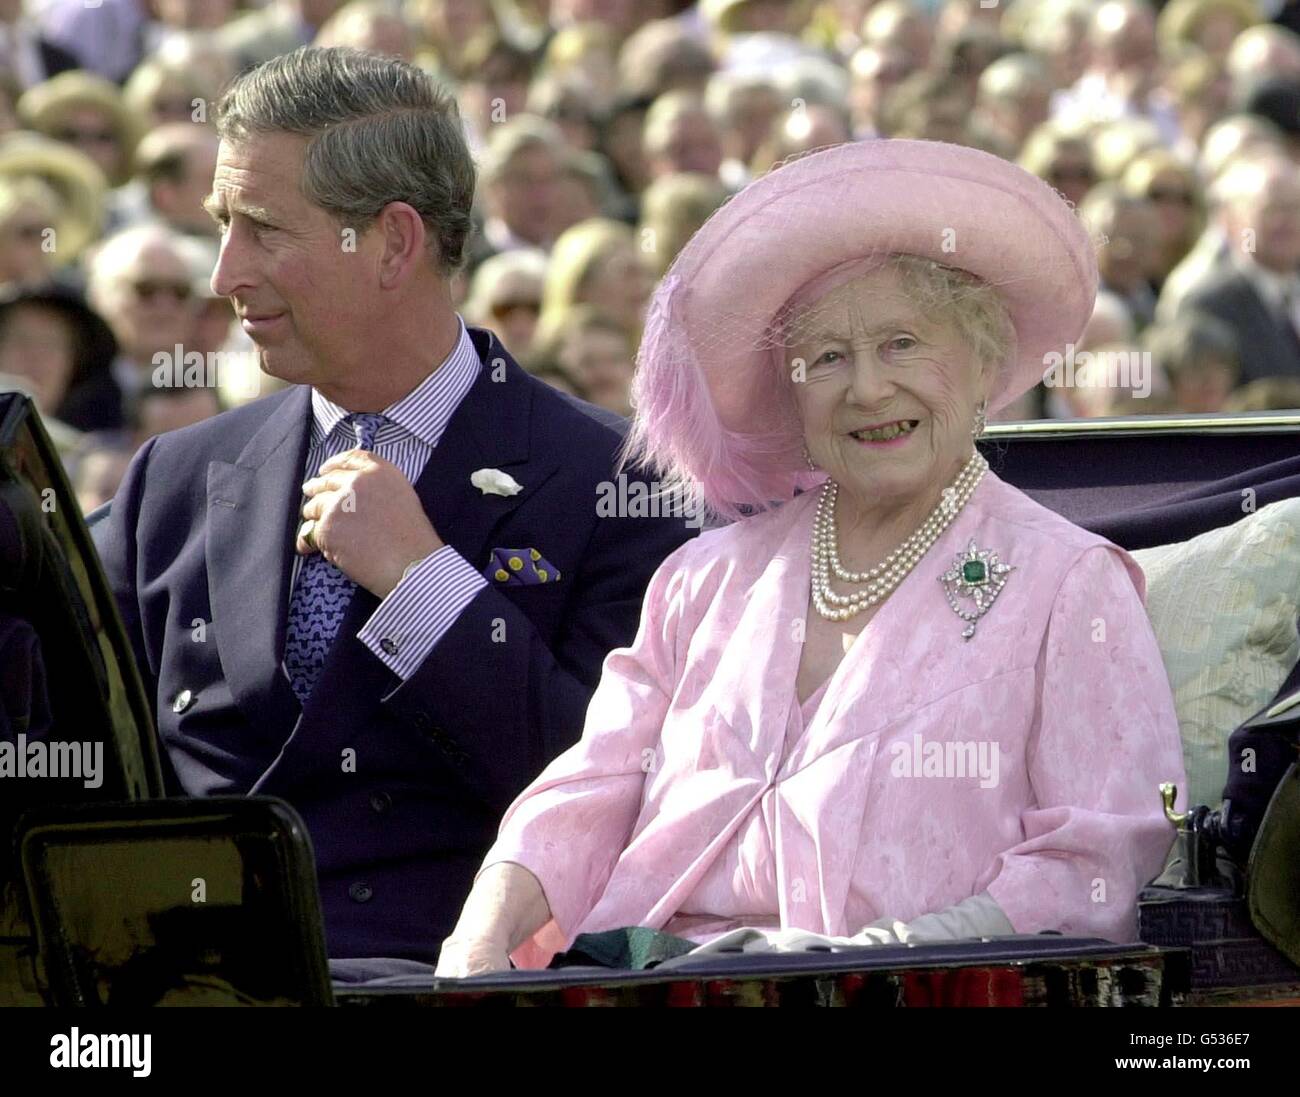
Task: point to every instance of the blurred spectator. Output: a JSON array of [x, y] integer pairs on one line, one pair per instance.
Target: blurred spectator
[[1110, 323], [593, 351], [1233, 141], [451, 33], [369, 25], [506, 296], [744, 107], [583, 189], [64, 351], [280, 27], [680, 136], [86, 112], [619, 15], [733, 17], [106, 38], [673, 209], [971, 50], [1174, 190], [1117, 144], [29, 210], [1129, 253], [897, 24], [27, 53], [585, 55], [800, 132], [1266, 394], [1256, 290], [520, 183], [1197, 354], [596, 263], [663, 55], [1209, 25], [1277, 99], [174, 166], [80, 188], [1012, 100], [608, 131], [568, 106], [98, 469], [928, 106], [1200, 91], [140, 281], [1057, 32], [494, 90], [180, 83], [874, 72], [622, 142], [1123, 65], [1262, 49], [156, 410]]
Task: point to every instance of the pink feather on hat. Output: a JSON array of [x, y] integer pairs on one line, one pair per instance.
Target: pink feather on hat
[[714, 417]]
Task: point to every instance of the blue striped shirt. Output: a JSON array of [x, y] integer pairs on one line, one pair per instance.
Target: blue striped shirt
[[426, 602]]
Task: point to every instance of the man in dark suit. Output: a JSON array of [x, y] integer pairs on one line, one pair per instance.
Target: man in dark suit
[[1256, 290], [384, 593]]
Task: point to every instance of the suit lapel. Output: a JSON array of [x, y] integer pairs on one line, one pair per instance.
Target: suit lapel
[[252, 517], [491, 428]]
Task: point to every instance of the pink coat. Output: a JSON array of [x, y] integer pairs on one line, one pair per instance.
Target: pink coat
[[685, 741]]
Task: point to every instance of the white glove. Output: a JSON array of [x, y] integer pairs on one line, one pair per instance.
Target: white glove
[[978, 916]]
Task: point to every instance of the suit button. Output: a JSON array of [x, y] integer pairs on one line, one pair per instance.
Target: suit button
[[387, 646], [380, 802], [361, 893], [421, 721], [183, 701]]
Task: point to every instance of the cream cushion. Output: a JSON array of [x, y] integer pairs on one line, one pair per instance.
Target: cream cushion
[[1224, 607]]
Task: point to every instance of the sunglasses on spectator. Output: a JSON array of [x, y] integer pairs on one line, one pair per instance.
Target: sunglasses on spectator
[[501, 309], [1171, 194], [28, 234], [1072, 172], [146, 290], [86, 137]]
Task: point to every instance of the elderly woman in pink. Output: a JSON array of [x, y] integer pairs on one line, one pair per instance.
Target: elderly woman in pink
[[896, 699]]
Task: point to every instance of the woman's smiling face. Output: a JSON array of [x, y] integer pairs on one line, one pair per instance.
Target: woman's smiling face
[[887, 395]]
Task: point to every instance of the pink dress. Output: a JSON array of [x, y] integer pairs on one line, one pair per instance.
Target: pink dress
[[740, 888], [1024, 762]]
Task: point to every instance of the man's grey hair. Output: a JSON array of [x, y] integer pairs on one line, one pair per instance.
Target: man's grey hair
[[379, 130]]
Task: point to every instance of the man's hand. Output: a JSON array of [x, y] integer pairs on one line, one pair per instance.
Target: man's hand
[[366, 520]]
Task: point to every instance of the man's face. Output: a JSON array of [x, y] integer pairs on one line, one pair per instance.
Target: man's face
[[151, 307], [36, 343], [692, 144], [181, 202], [525, 195], [296, 278]]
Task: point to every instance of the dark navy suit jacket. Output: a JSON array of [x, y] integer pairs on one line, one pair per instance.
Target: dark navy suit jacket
[[198, 549]]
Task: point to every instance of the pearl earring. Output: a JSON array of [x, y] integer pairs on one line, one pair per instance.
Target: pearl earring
[[980, 421]]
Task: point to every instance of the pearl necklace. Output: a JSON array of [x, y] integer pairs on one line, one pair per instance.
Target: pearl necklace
[[893, 569]]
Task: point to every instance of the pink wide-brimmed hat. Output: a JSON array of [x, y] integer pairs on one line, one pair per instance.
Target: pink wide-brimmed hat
[[714, 409]]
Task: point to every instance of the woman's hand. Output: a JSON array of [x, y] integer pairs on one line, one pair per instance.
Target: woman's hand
[[505, 907], [462, 957]]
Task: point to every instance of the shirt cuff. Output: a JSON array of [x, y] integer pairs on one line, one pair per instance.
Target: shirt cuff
[[417, 612]]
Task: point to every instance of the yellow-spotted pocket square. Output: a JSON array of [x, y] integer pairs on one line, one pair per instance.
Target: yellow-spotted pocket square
[[520, 567]]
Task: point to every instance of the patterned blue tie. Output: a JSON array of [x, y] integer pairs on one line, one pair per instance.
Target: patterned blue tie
[[321, 595]]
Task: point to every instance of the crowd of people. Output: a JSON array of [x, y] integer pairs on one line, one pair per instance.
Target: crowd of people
[[606, 132]]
